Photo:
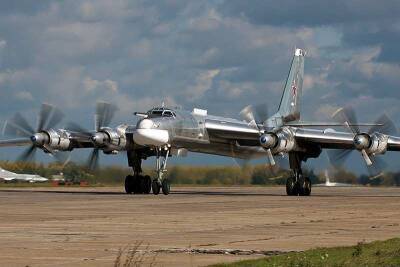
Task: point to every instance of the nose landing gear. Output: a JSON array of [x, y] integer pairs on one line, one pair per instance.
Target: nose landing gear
[[161, 167]]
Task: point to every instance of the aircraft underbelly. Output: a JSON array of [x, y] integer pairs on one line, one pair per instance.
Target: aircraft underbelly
[[223, 149]]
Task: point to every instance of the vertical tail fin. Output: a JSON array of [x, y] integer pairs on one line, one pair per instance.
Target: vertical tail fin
[[289, 107]]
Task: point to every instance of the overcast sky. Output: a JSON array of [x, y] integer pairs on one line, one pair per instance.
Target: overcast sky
[[218, 55]]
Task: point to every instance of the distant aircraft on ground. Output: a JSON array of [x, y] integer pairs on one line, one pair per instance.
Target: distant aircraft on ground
[[8, 176], [162, 132]]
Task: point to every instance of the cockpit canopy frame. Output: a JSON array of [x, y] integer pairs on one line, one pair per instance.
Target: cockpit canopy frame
[[161, 112]]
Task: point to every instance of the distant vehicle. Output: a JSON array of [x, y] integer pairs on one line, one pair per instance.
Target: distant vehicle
[[8, 177]]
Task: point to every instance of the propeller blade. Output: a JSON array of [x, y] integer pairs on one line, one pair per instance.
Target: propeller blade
[[62, 156], [18, 126], [348, 117], [104, 114], [261, 113], [258, 113], [270, 157], [241, 162], [56, 117], [44, 115], [28, 154], [337, 157], [78, 130], [281, 164], [93, 161], [247, 114], [49, 116], [387, 127], [376, 169], [366, 157]]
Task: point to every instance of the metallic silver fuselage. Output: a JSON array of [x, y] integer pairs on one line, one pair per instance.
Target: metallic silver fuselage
[[223, 136]]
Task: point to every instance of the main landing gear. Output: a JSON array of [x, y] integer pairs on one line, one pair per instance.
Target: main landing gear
[[144, 184], [298, 184], [138, 184]]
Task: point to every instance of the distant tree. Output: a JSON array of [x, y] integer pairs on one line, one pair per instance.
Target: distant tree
[[363, 179], [344, 176], [376, 181], [396, 179], [259, 176]]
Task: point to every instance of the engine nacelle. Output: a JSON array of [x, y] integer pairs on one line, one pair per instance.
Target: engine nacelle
[[281, 141], [286, 143], [378, 144], [53, 139], [111, 139], [269, 140], [372, 144]]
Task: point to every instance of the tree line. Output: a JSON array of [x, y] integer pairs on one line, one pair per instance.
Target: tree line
[[196, 175]]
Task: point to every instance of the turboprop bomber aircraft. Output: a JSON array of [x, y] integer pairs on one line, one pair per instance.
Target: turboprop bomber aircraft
[[163, 132]]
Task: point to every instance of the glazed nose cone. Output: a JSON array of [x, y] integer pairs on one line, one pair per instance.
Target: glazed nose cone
[[147, 135]]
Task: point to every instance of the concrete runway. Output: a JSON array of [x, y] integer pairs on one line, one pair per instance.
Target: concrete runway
[[191, 227]]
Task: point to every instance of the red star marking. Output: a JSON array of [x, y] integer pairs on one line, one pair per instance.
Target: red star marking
[[294, 90]]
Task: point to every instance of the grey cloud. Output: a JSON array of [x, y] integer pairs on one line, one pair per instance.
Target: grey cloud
[[363, 23], [28, 7], [310, 13]]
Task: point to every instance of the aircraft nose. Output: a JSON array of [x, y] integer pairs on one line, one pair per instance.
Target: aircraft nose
[[146, 135], [145, 124]]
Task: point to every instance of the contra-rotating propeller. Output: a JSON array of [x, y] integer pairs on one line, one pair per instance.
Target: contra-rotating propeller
[[256, 117], [100, 139], [18, 126], [362, 140]]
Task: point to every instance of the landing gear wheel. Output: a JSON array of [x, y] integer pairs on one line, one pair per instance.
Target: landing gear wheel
[[129, 184], [142, 184], [146, 184], [155, 186], [291, 187], [137, 188], [305, 187], [166, 187]]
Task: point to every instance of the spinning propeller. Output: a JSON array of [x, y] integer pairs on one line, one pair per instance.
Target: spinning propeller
[[256, 116], [362, 140], [103, 117], [18, 126]]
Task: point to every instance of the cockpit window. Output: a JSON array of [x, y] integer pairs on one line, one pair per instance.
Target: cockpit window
[[167, 113], [161, 112]]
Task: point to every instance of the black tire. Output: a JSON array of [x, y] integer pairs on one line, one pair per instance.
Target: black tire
[[155, 186], [129, 184], [142, 185], [166, 187], [291, 187], [146, 184], [305, 187], [137, 184]]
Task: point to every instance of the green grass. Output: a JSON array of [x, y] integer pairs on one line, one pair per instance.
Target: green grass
[[379, 253]]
